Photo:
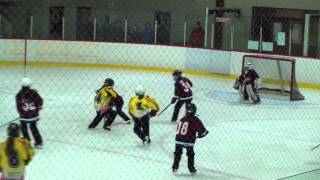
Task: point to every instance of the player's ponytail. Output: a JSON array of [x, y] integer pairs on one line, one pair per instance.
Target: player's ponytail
[[11, 152], [13, 159]]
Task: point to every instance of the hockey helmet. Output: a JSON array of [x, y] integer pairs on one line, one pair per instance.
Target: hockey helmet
[[191, 109], [26, 82], [176, 74], [247, 66], [140, 91], [109, 82], [13, 130]]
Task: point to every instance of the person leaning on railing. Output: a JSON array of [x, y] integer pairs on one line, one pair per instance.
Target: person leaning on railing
[[15, 154]]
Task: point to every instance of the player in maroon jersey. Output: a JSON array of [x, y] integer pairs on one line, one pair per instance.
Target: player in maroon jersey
[[189, 128], [29, 103], [182, 93]]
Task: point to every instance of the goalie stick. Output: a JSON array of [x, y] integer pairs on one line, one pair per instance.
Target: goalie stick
[[315, 147]]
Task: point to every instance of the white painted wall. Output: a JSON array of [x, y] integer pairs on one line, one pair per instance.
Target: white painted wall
[[221, 62]]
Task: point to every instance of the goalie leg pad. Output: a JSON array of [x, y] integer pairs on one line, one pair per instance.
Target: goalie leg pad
[[252, 94], [242, 93]]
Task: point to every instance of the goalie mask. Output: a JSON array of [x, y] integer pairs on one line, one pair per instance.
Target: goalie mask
[[247, 67], [191, 109]]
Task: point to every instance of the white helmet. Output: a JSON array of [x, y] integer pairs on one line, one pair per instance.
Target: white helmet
[[26, 82], [140, 90]]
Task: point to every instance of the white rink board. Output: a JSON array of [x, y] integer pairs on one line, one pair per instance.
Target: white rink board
[[214, 61]]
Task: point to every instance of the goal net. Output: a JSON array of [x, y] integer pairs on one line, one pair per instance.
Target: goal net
[[277, 75]]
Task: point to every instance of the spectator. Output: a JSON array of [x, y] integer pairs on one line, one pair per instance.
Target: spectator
[[163, 35], [106, 32], [118, 32], [148, 34], [197, 36], [134, 35]]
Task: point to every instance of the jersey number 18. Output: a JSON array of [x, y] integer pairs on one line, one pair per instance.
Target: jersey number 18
[[182, 128]]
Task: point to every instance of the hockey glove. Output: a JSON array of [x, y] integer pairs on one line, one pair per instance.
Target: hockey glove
[[203, 134], [153, 113], [236, 84], [173, 100]]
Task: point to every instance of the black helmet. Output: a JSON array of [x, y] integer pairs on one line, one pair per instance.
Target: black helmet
[[109, 82], [13, 130], [177, 73], [191, 109]]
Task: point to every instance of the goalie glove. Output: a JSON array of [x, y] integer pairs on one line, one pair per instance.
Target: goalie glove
[[257, 83], [236, 84]]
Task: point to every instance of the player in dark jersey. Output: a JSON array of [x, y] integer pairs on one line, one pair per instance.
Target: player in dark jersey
[[189, 128], [29, 103], [247, 84], [118, 104], [182, 93]]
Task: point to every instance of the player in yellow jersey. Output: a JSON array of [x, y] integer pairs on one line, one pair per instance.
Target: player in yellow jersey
[[15, 154], [141, 108], [102, 103]]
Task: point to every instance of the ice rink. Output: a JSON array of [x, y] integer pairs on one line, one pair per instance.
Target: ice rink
[[267, 141]]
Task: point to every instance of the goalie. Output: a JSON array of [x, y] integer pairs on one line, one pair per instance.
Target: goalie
[[246, 84]]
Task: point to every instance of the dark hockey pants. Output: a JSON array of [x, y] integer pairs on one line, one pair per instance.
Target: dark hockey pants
[[141, 127], [121, 113], [177, 157], [34, 131], [109, 115], [177, 108]]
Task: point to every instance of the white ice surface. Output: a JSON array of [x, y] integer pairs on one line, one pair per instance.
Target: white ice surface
[[267, 141]]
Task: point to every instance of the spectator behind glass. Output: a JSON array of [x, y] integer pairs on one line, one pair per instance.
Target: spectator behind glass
[[105, 32], [148, 34], [118, 31], [134, 35], [197, 36], [163, 35]]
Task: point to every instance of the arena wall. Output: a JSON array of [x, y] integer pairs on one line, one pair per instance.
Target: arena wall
[[129, 56]]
